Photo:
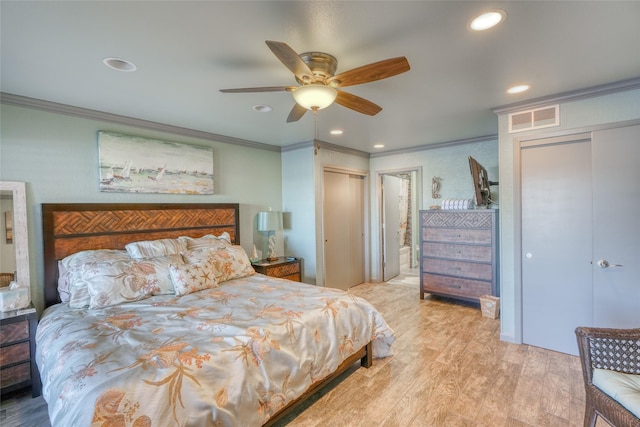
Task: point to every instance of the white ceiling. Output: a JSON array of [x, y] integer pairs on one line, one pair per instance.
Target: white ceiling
[[186, 51]]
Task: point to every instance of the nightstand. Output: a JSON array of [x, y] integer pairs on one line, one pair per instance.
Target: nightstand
[[18, 368], [284, 268]]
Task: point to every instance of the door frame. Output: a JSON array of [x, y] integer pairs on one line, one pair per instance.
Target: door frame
[[518, 143], [417, 186]]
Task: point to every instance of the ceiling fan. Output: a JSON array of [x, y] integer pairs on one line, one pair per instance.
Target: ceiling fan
[[319, 86]]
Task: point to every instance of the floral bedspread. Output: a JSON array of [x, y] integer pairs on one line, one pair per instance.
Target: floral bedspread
[[230, 356]]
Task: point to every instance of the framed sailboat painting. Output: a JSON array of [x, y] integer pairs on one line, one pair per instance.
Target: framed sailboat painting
[[132, 164]]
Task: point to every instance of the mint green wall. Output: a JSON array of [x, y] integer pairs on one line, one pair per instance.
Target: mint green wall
[[449, 163], [575, 116], [57, 156], [298, 205]]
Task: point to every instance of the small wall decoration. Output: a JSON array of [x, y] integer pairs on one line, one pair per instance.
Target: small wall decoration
[[435, 187], [131, 164], [8, 226]]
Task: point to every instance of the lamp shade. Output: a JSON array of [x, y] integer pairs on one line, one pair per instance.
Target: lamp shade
[[315, 96], [269, 221]]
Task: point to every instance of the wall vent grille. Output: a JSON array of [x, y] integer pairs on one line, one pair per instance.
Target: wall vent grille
[[536, 118]]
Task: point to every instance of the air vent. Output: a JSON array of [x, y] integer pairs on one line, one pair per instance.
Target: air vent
[[534, 119]]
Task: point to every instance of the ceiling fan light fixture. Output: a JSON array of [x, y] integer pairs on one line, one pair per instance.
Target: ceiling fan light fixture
[[315, 96]]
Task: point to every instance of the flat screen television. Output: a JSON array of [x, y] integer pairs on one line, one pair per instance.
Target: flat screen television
[[481, 184]]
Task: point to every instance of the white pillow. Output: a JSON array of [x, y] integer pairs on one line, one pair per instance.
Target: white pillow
[[155, 248], [208, 241]]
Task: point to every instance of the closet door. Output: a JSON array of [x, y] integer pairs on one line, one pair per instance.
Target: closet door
[[580, 235], [556, 242], [616, 227], [343, 228]]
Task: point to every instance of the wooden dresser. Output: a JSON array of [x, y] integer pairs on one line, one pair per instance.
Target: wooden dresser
[[18, 368], [284, 268], [459, 253]]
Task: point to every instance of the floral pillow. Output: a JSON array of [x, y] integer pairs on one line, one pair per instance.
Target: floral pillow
[[155, 248], [164, 284], [189, 278], [208, 241], [112, 283], [230, 262], [109, 279], [75, 291]]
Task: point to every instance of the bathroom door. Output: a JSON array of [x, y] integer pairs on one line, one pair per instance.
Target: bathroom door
[[391, 186]]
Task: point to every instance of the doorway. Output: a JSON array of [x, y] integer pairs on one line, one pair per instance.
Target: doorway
[[399, 213]]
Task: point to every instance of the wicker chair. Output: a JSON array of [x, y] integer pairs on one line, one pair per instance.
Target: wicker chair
[[5, 279], [613, 349]]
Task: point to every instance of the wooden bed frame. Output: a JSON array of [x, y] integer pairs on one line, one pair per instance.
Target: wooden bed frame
[[72, 227]]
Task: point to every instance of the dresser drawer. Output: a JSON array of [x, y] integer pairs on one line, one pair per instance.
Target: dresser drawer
[[462, 252], [470, 270], [12, 332], [458, 235], [455, 286], [15, 353], [15, 374]]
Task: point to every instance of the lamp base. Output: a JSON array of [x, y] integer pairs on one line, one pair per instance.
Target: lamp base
[[272, 258]]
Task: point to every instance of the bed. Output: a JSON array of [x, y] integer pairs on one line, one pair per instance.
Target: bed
[[238, 348]]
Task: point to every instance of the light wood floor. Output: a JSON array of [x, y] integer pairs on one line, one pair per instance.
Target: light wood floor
[[449, 369]]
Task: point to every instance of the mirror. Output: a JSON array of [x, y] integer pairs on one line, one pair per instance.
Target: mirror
[[13, 218]]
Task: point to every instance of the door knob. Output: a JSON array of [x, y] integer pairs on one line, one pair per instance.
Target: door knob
[[603, 263]]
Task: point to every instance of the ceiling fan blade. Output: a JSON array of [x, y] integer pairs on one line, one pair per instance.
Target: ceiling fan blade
[[296, 113], [260, 89], [291, 60], [370, 73], [358, 104]]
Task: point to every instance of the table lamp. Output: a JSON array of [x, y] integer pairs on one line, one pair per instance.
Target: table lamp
[[270, 222]]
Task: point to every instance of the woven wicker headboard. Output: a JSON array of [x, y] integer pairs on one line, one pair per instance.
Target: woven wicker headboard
[[73, 227]]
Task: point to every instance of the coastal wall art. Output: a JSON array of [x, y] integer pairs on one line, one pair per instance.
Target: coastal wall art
[[132, 164]]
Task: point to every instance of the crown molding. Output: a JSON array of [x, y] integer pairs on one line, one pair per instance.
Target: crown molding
[[326, 146], [475, 140], [70, 110], [590, 92]]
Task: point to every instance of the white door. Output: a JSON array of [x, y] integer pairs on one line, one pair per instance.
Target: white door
[[343, 227], [580, 235], [616, 227], [391, 186]]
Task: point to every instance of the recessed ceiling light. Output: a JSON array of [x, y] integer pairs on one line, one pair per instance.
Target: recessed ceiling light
[[336, 132], [378, 146], [518, 89], [488, 20], [119, 64], [261, 108]]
